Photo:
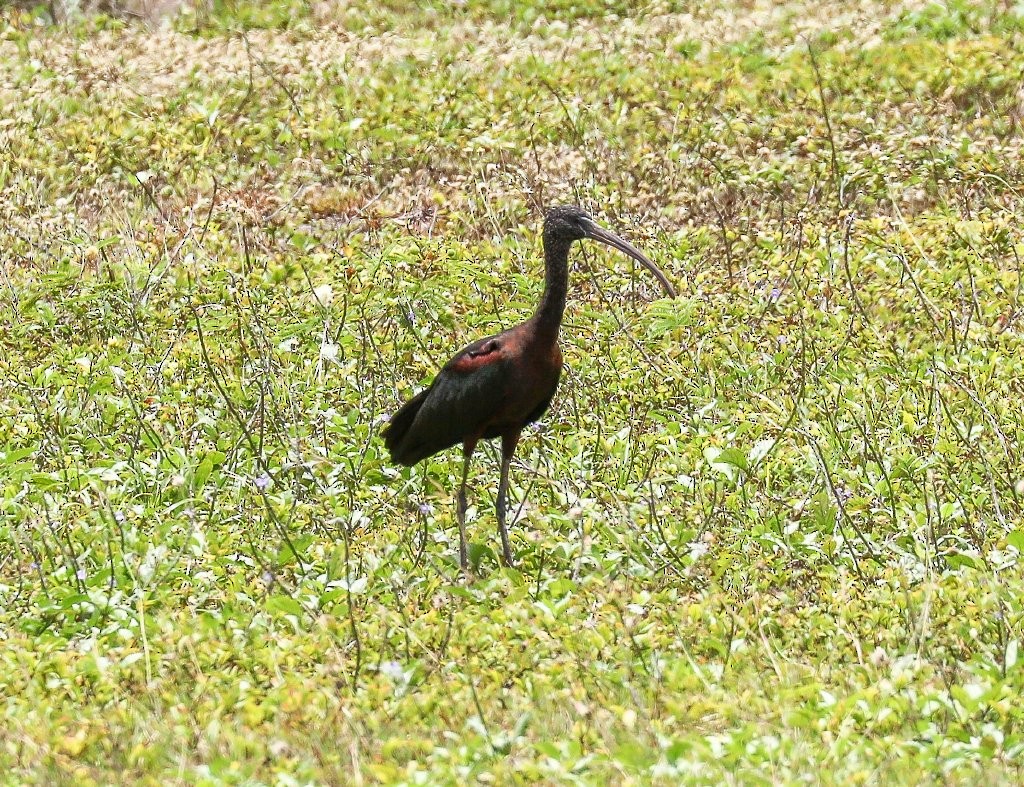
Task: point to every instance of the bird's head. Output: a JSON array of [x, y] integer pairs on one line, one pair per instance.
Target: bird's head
[[567, 222], [564, 224]]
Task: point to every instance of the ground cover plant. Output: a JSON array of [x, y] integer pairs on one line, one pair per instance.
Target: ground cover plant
[[768, 532]]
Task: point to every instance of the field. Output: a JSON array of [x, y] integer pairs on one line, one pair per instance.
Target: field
[[769, 532]]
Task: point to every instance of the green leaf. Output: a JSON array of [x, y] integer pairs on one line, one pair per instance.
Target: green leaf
[[297, 547], [728, 461], [823, 512], [959, 560], [210, 461], [285, 605], [302, 241], [12, 457], [734, 457]]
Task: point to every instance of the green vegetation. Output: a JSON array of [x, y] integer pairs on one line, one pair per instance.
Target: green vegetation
[[769, 532]]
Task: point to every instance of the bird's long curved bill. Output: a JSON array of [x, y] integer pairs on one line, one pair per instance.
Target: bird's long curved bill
[[598, 233]]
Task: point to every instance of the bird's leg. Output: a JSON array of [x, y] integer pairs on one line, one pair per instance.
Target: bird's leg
[[467, 453], [508, 448]]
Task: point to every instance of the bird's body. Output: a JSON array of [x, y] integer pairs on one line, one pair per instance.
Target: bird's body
[[492, 388], [497, 385]]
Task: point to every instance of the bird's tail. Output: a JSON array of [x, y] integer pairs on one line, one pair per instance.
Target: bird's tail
[[397, 430]]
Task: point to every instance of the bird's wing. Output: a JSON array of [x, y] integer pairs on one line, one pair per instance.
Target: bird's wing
[[475, 355], [455, 408]]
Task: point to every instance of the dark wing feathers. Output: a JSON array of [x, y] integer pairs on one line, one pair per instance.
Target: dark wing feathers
[[453, 409]]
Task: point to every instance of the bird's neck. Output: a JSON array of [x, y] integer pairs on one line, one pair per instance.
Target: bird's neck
[[548, 317]]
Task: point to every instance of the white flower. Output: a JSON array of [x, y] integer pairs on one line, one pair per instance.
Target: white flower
[[324, 294], [328, 351], [393, 670]]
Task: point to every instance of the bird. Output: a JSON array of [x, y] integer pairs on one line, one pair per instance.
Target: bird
[[496, 386]]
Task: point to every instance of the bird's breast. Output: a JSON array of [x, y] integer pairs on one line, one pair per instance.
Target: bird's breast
[[532, 383]]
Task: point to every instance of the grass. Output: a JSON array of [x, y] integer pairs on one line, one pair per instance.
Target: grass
[[769, 532]]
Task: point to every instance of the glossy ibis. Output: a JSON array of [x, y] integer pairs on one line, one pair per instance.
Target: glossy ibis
[[497, 385]]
